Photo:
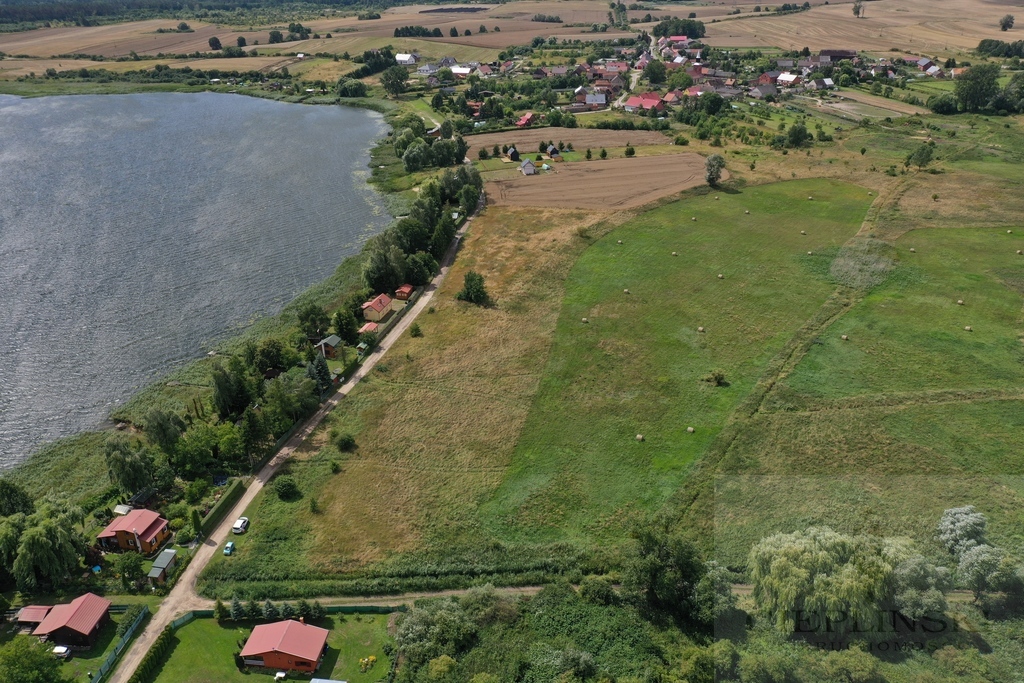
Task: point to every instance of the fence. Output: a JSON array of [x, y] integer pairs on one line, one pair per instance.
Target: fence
[[121, 644], [227, 500]]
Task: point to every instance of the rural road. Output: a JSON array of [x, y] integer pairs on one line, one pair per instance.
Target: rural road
[[183, 597]]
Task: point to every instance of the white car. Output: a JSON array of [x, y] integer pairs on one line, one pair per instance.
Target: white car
[[61, 652], [240, 526]]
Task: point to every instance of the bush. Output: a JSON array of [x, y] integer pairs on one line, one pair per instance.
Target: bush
[[682, 140], [128, 618], [473, 289], [715, 377], [415, 331], [345, 443], [286, 488]]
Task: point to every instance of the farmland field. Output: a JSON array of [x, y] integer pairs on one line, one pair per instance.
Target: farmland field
[[613, 183]]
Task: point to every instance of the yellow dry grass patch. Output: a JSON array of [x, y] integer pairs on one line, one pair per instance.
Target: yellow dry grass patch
[[437, 429]]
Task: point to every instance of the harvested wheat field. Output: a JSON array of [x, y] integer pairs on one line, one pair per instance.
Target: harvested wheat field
[[528, 139], [611, 184], [911, 25]]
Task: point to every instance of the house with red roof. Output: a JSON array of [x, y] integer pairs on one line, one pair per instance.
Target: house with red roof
[[142, 530], [287, 645], [526, 119], [377, 309], [32, 615], [643, 102], [76, 624]]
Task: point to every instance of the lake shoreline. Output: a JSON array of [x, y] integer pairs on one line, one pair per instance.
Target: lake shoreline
[[66, 454]]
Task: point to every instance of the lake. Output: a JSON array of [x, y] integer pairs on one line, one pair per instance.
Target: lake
[[137, 230]]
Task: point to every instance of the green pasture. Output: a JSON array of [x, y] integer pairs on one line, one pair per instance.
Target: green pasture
[[637, 366]]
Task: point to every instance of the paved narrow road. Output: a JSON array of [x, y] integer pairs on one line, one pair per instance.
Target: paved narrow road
[[183, 597]]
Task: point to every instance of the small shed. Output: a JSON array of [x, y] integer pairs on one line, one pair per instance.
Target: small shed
[[329, 346], [554, 154], [368, 327], [404, 292], [513, 154], [528, 167], [163, 565]]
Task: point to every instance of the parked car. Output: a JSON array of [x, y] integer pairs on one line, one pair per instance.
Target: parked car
[[61, 652], [240, 526], [229, 548]]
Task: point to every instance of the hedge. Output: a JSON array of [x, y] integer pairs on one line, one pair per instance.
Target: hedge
[[234, 491]]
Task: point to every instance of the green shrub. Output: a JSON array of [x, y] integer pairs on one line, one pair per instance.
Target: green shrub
[[345, 443], [415, 331], [286, 488]]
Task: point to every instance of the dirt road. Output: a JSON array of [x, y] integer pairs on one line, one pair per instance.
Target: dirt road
[[183, 597]]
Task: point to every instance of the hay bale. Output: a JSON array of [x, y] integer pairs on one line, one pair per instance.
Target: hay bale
[[716, 197], [870, 194], [1009, 232], [810, 198], [1019, 252], [639, 437], [721, 277], [845, 338], [690, 430], [968, 329], [803, 232], [747, 211], [959, 302], [625, 291], [694, 218], [585, 320], [810, 253], [620, 241], [700, 329], [675, 254], [913, 251]]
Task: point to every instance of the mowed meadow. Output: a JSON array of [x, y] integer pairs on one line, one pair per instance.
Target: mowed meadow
[[502, 444]]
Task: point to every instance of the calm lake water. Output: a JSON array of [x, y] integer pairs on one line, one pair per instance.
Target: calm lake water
[[136, 230]]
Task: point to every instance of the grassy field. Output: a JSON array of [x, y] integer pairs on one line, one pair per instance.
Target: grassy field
[[203, 651]]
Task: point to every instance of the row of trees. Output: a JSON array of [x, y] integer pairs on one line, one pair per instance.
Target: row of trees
[[40, 546], [977, 89], [268, 611], [409, 251]]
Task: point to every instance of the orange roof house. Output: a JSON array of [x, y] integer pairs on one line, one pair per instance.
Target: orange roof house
[[288, 645], [377, 308], [404, 292], [77, 623], [142, 530]]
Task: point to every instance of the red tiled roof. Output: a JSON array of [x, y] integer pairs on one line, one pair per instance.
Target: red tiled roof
[[81, 615], [144, 522], [404, 289], [301, 641], [33, 614], [379, 304], [368, 327]]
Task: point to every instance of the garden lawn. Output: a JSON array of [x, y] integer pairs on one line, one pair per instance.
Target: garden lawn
[[83, 663], [204, 651], [637, 366]]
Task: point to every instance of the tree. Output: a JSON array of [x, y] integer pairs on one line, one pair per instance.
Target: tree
[[603, 153], [655, 71], [663, 572], [920, 157], [679, 80], [453, 32], [858, 8], [233, 387], [129, 566], [220, 612], [317, 611], [253, 610], [797, 135], [473, 289], [163, 428], [420, 269], [961, 529], [313, 320], [1006, 23], [978, 566], [240, 41], [447, 130], [287, 610], [350, 87], [214, 43], [393, 80], [321, 374], [270, 611], [385, 268], [184, 27], [276, 37], [237, 610], [589, 155], [630, 151], [26, 660], [977, 86], [345, 326], [196, 520], [129, 467], [14, 499], [713, 166]]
